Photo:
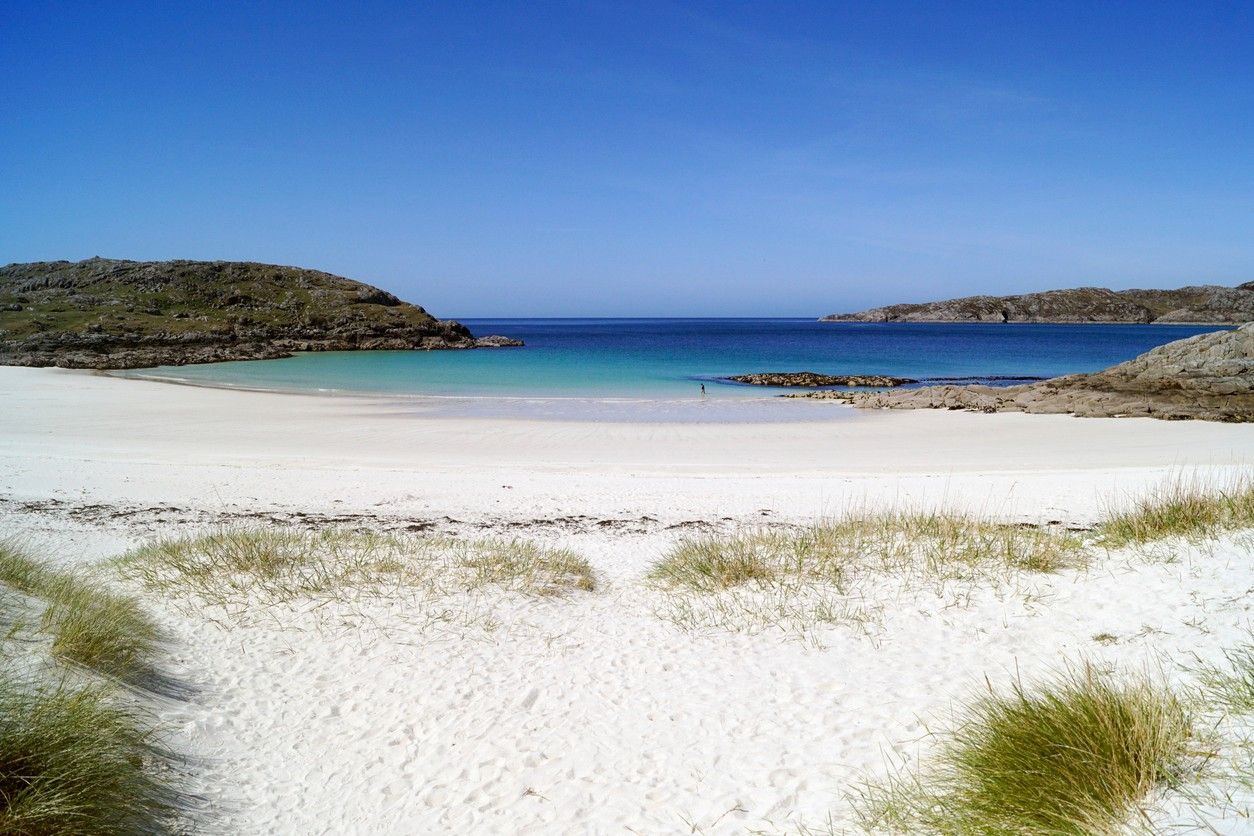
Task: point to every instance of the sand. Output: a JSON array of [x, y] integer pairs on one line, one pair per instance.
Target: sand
[[597, 713]]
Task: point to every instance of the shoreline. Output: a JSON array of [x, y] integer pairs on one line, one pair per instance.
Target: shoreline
[[421, 396], [152, 439], [760, 409]]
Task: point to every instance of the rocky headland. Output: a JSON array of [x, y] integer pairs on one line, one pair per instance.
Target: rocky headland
[[814, 379], [1208, 304], [114, 314], [1207, 377]]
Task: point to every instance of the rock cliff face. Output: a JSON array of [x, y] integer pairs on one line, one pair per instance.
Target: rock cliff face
[[111, 314], [1209, 377], [1203, 304]]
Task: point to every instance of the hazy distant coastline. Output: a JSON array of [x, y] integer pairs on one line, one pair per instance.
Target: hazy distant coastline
[[1196, 305]]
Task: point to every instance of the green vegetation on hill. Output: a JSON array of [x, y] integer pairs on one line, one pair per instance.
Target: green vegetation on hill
[[104, 313], [1202, 303]]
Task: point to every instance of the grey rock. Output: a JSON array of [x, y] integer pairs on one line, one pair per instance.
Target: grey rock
[[1207, 377], [497, 341], [816, 379]]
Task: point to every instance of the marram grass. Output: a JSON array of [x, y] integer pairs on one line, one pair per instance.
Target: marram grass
[[1231, 686], [88, 624], [75, 756], [19, 570], [1181, 509], [1076, 755], [275, 566], [76, 761], [931, 546]]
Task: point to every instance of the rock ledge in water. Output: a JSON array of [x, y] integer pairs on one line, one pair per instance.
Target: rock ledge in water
[[1207, 377], [816, 379]]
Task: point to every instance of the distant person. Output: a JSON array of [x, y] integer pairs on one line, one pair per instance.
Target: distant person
[[703, 390]]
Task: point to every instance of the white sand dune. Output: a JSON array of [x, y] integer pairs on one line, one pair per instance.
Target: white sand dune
[[594, 713]]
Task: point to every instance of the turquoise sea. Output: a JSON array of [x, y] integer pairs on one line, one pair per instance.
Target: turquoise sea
[[654, 368]]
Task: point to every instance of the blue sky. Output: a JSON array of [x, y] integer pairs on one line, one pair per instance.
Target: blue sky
[[639, 158]]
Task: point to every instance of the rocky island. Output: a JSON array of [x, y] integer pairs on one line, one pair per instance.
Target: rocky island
[[1208, 304], [814, 379], [114, 314], [1207, 377]]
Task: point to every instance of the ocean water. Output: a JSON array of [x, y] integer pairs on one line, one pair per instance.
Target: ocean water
[[653, 368]]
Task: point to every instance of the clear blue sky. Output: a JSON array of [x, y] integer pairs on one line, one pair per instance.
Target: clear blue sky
[[639, 158]]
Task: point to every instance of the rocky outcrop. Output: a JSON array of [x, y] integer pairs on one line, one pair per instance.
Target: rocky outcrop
[[1207, 304], [497, 341], [815, 379], [1208, 377], [111, 314]]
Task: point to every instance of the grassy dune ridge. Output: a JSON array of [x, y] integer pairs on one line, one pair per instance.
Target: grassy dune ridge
[[1082, 752], [1180, 508], [88, 624], [930, 546], [1074, 754], [78, 754], [271, 566], [79, 759], [839, 571]]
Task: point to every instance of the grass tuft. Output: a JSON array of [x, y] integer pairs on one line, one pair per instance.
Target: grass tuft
[[88, 624], [804, 578], [21, 571], [935, 546], [1075, 755], [713, 563], [75, 761], [276, 566], [1180, 509], [522, 566], [1232, 687]]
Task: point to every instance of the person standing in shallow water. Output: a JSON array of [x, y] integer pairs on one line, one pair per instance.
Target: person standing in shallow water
[[703, 390]]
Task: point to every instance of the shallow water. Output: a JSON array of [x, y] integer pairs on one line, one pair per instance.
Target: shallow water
[[652, 369]]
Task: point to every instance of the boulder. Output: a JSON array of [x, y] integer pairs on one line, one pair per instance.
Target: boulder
[[1207, 377]]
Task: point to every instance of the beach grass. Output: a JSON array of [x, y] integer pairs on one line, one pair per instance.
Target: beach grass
[[19, 570], [933, 546], [87, 623], [76, 755], [75, 760], [798, 579], [1180, 508], [523, 566], [1231, 687], [1076, 754], [281, 565]]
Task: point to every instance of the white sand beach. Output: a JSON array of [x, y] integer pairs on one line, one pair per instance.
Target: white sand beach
[[598, 712]]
